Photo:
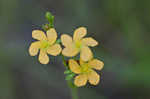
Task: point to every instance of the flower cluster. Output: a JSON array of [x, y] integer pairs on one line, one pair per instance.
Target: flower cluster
[[83, 67]]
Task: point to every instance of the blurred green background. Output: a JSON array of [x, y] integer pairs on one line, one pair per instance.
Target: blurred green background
[[121, 26]]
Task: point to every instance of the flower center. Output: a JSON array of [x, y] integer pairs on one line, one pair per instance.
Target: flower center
[[45, 45], [78, 44], [85, 68]]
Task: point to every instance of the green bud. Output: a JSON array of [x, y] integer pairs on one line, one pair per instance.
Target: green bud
[[48, 16], [45, 27], [50, 19]]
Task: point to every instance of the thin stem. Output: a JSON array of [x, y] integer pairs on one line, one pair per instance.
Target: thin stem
[[74, 91], [73, 88]]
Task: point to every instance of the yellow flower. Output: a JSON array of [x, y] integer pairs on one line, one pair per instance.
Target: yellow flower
[[78, 44], [85, 71], [46, 44]]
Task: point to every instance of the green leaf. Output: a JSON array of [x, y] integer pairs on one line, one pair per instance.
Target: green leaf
[[67, 71], [70, 76]]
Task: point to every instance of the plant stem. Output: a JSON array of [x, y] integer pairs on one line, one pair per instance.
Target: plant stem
[[73, 90]]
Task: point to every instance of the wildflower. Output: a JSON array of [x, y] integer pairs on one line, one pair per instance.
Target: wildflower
[[46, 44], [85, 71], [78, 44]]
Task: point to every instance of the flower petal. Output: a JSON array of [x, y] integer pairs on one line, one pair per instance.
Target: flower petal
[[34, 48], [79, 33], [93, 77], [96, 64], [39, 35], [51, 35], [89, 41], [80, 80], [86, 53], [66, 40], [43, 57], [70, 52], [81, 62], [74, 66], [54, 50]]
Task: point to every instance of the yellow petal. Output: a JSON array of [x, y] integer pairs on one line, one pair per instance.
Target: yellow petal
[[51, 35], [70, 52], [66, 40], [54, 50], [34, 48], [96, 64], [81, 62], [93, 77], [80, 80], [79, 33], [39, 35], [89, 41], [74, 66], [43, 57], [86, 53]]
